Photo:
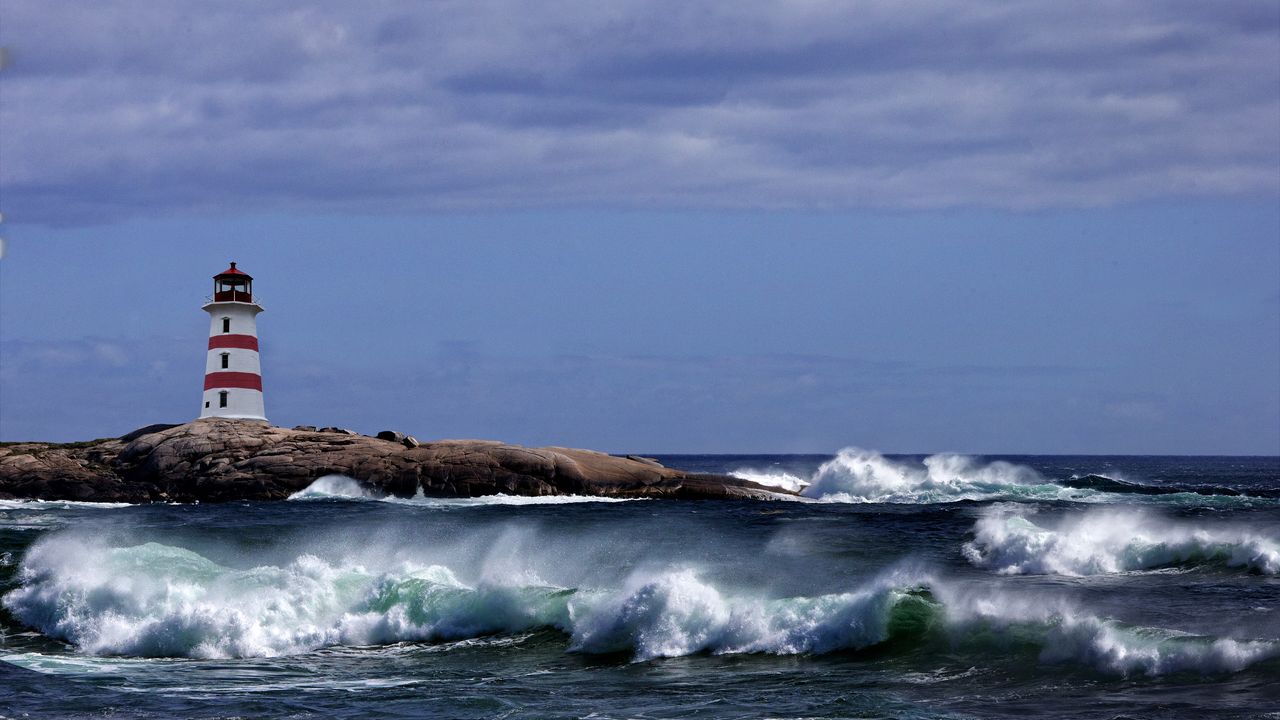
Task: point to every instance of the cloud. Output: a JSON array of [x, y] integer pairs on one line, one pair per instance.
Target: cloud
[[118, 109], [94, 387]]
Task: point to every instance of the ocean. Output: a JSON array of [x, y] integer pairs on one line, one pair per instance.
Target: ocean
[[901, 587]]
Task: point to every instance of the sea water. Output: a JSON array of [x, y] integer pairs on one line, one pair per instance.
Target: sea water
[[922, 587]]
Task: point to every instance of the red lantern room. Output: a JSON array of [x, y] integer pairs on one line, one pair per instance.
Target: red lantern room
[[232, 285]]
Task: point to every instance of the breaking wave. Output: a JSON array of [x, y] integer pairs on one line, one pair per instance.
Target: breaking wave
[[1060, 633], [164, 601], [865, 476], [1111, 541], [773, 478], [335, 487], [341, 487], [675, 613], [856, 475]]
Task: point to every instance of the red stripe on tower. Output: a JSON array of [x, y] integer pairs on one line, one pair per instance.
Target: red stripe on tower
[[248, 381], [243, 342]]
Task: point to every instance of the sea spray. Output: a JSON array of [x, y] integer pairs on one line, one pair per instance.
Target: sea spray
[[1119, 649], [773, 478], [676, 613], [856, 475], [342, 487], [335, 487], [1061, 632], [1101, 541], [164, 601], [866, 476]]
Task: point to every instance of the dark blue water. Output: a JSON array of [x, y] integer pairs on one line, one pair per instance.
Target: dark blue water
[[911, 587]]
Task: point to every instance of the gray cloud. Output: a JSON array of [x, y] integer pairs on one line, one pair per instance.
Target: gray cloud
[[123, 108]]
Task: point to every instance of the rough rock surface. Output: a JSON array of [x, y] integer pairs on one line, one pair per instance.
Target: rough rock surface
[[217, 459]]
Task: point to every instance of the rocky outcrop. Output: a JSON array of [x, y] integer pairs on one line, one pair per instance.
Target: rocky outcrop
[[217, 459]]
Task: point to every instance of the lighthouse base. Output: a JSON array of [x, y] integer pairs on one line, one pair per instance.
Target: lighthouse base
[[233, 403]]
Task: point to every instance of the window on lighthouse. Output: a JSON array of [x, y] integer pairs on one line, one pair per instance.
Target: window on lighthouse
[[226, 325], [226, 360], [222, 399]]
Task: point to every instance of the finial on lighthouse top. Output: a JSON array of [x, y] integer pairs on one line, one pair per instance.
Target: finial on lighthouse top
[[233, 270]]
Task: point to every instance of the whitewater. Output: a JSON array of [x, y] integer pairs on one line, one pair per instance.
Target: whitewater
[[904, 586]]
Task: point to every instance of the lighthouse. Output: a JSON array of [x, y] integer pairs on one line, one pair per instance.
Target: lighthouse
[[232, 373]]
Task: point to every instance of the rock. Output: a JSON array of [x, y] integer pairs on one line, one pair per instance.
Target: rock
[[218, 459], [147, 431], [305, 428], [639, 458], [391, 435], [338, 431]]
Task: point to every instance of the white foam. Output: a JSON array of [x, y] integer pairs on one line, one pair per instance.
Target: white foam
[[503, 499], [341, 487], [1067, 634], [333, 487], [772, 478], [866, 476], [72, 664], [675, 613], [1111, 541], [1117, 649], [59, 505], [162, 601]]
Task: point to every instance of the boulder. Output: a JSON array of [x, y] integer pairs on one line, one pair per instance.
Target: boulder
[[147, 430]]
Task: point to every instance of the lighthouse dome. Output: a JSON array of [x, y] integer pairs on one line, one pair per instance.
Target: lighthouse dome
[[233, 271]]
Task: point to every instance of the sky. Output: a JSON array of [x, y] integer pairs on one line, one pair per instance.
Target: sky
[[1027, 227]]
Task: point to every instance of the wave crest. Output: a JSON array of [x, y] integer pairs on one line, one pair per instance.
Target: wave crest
[[772, 478], [866, 476], [161, 601], [335, 487], [676, 613], [1126, 650], [1112, 541], [855, 475], [157, 600]]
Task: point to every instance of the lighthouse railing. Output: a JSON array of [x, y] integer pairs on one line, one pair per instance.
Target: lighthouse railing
[[257, 300]]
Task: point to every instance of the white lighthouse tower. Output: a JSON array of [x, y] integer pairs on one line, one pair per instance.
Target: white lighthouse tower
[[232, 374]]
